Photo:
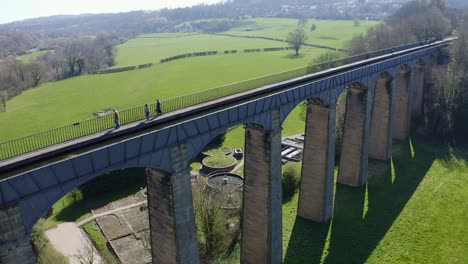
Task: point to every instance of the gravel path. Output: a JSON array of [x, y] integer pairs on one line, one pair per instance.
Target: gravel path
[[71, 241]]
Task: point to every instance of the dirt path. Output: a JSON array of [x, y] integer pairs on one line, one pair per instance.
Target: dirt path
[[71, 241], [91, 218]]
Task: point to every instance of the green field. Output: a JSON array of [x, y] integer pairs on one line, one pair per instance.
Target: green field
[[28, 58], [154, 47], [333, 33], [151, 48], [63, 102]]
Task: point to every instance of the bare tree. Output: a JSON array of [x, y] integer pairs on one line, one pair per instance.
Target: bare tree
[[326, 61], [88, 255], [36, 70], [357, 22], [302, 21], [296, 39], [3, 99]]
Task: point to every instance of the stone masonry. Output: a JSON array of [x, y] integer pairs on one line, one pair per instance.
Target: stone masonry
[[401, 126], [15, 245], [261, 218], [317, 180], [353, 161], [172, 221], [381, 133], [418, 90]]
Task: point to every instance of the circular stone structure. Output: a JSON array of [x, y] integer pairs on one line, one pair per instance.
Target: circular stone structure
[[226, 150], [226, 188], [218, 163]]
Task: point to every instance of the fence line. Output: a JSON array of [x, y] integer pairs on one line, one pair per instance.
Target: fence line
[[66, 133]]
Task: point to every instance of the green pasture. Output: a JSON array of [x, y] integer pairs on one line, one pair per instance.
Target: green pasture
[[64, 102], [28, 58], [154, 47], [333, 33]]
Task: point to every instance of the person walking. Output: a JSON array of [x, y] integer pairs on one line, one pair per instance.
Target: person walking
[[147, 112], [158, 108], [116, 119]]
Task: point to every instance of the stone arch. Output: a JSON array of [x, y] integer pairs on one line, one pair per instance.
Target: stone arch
[[291, 106], [401, 128], [36, 206], [381, 121], [353, 157]]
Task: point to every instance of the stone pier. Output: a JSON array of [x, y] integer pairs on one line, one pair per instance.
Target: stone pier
[[401, 127], [15, 244], [262, 239], [172, 221], [380, 145], [318, 162], [354, 152], [418, 90]]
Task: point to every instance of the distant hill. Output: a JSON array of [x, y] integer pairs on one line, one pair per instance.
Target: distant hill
[[65, 25], [39, 31]]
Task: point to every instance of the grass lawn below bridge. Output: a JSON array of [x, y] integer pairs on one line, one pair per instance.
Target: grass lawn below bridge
[[414, 209]]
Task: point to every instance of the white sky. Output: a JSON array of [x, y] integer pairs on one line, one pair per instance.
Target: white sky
[[12, 10]]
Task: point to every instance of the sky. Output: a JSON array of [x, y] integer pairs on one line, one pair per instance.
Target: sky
[[12, 10]]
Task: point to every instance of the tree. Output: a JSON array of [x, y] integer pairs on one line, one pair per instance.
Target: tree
[[3, 99], [36, 70], [326, 61], [313, 27], [302, 22], [87, 255], [296, 39], [357, 22]]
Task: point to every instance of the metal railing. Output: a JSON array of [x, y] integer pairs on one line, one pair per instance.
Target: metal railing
[[66, 133]]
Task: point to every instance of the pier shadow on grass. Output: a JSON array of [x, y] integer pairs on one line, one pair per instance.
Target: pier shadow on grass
[[355, 237], [357, 227], [307, 241]]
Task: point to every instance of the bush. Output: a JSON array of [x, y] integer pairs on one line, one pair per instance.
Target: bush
[[325, 61], [289, 181]]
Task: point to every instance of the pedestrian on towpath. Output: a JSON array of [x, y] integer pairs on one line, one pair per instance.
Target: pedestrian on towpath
[[116, 119], [147, 112], [158, 108]]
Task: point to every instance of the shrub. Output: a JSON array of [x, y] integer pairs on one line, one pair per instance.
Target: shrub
[[211, 227], [289, 181]]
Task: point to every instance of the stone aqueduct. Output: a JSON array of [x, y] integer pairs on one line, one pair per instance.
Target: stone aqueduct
[[382, 95]]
